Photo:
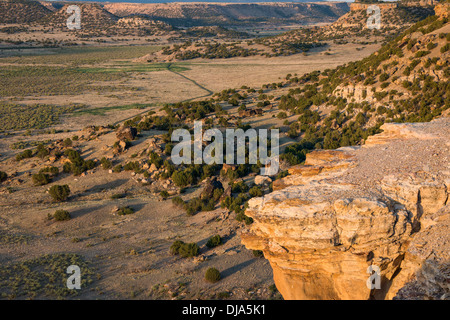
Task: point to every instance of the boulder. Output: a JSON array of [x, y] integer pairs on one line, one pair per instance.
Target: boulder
[[262, 180], [210, 186], [126, 133]]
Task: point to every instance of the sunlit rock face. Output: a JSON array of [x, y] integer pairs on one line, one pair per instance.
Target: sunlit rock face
[[348, 209]]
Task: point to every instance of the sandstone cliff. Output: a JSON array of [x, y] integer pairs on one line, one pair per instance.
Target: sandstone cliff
[[384, 204]]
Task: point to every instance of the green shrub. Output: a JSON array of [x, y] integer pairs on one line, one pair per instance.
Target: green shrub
[[106, 164], [123, 211], [185, 250], [255, 191], [118, 168], [189, 250], [42, 151], [193, 206], [164, 194], [258, 253], [67, 143], [273, 288], [214, 241], [282, 115], [384, 85], [182, 178], [217, 194], [61, 215], [242, 217], [77, 164], [178, 201], [59, 192], [168, 149], [133, 166], [223, 295], [53, 171], [212, 275], [175, 247], [421, 53], [383, 77], [208, 205], [40, 179], [118, 196], [24, 155], [445, 47], [239, 187], [3, 176]]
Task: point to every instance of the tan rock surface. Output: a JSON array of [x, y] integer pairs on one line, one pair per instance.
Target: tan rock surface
[[347, 209]]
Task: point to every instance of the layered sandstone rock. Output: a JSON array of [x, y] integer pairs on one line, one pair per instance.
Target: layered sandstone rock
[[349, 209]]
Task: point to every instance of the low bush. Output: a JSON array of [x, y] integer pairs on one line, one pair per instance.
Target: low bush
[[40, 179], [239, 187], [3, 176], [77, 164], [67, 143], [164, 194], [241, 217], [133, 166], [193, 206], [61, 215], [118, 196], [185, 250], [177, 201], [123, 211], [53, 171], [255, 191], [118, 168], [212, 275], [42, 151], [258, 253], [106, 164], [59, 192], [24, 155], [214, 241]]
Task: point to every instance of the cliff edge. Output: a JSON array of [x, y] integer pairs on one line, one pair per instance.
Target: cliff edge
[[382, 206]]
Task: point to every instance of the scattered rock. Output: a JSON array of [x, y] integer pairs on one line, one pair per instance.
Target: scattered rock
[[263, 180], [210, 186]]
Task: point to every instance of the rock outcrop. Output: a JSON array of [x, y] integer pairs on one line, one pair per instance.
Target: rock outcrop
[[348, 211], [126, 133]]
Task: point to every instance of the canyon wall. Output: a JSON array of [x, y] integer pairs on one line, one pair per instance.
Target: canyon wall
[[374, 206]]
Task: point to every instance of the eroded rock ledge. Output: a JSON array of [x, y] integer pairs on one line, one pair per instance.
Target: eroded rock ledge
[[383, 204]]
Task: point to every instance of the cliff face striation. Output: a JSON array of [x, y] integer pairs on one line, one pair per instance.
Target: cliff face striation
[[383, 204]]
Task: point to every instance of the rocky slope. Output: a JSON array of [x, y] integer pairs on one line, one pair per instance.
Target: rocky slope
[[21, 11], [417, 56], [384, 204], [93, 16]]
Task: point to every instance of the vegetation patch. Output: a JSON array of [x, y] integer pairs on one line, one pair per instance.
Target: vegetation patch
[[38, 116], [185, 250], [59, 193], [43, 277], [214, 241], [123, 211], [212, 275], [61, 215], [7, 237], [44, 80]]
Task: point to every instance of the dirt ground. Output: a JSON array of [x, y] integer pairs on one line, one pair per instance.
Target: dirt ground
[[131, 253]]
